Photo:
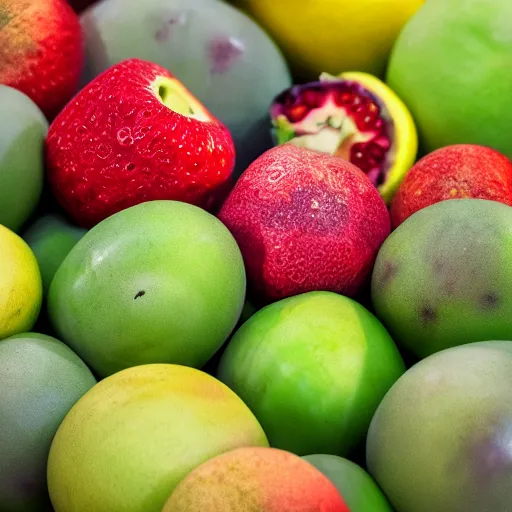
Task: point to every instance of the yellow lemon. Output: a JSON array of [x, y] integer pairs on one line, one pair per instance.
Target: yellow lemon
[[333, 35], [20, 285]]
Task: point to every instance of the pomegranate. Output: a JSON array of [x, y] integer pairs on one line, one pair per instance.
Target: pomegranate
[[305, 221], [355, 117]]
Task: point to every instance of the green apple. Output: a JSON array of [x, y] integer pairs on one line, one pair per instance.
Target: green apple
[[451, 66], [441, 438], [51, 237], [40, 380], [161, 282], [23, 129], [313, 369], [359, 490], [130, 440]]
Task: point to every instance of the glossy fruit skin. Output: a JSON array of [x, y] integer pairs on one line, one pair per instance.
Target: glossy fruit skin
[[312, 33], [453, 172], [160, 282], [22, 133], [51, 237], [20, 279], [440, 440], [40, 380], [357, 487], [451, 66], [218, 52], [141, 150], [129, 441], [255, 479], [305, 221], [443, 278], [313, 369], [41, 51]]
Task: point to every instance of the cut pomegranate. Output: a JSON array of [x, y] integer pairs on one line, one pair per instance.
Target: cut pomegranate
[[340, 117]]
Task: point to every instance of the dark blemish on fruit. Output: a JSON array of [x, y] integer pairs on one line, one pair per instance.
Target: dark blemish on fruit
[[388, 273], [428, 315], [130, 167], [164, 33], [18, 312], [5, 18], [224, 52], [489, 301], [139, 294]]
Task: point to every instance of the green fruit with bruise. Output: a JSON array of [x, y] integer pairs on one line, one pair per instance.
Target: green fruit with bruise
[[161, 282], [51, 237], [440, 440], [40, 380], [444, 277], [357, 487], [23, 129], [313, 369]]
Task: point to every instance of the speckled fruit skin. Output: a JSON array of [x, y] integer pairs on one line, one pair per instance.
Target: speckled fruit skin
[[117, 145], [305, 221], [40, 380], [129, 441], [23, 129], [357, 487], [451, 66], [161, 282], [313, 369], [453, 172], [41, 51], [51, 237], [218, 52], [440, 439], [256, 479], [443, 277]]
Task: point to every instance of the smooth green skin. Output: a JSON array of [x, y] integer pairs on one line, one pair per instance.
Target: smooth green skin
[[313, 369], [440, 440], [239, 97], [130, 440], [451, 260], [23, 129], [40, 380], [187, 263], [451, 66], [51, 237], [359, 490]]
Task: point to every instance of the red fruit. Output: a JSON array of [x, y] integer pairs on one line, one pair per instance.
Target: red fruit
[[135, 134], [305, 221], [41, 51], [453, 172]]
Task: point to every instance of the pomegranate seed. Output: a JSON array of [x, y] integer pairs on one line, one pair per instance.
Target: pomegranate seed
[[313, 97], [297, 113]]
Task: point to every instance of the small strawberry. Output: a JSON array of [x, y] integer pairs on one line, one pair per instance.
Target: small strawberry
[[136, 134]]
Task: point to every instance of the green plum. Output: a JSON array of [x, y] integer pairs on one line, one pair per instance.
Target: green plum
[[40, 380], [444, 277], [51, 237], [357, 487], [313, 369], [22, 133], [221, 55], [451, 66], [441, 438], [160, 282]]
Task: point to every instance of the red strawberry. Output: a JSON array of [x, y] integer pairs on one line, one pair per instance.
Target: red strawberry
[[41, 51], [135, 134]]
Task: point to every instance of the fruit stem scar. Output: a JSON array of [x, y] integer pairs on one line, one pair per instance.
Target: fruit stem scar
[[141, 293], [175, 97]]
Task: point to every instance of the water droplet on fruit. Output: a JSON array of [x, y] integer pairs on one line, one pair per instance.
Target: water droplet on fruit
[[124, 136]]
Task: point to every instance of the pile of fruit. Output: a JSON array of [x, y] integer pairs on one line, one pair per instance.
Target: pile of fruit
[[255, 256]]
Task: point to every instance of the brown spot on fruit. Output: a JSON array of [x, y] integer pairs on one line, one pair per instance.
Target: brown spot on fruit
[[224, 52], [139, 294], [428, 315], [489, 301], [165, 31], [387, 274]]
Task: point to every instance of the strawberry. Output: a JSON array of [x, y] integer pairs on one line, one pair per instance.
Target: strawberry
[[136, 134]]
